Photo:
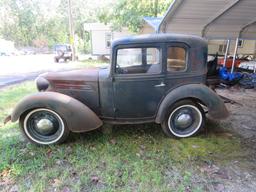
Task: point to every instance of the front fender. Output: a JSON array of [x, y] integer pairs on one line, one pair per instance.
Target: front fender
[[199, 92], [78, 117]]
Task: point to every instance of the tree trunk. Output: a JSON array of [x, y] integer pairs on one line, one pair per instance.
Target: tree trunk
[[156, 8]]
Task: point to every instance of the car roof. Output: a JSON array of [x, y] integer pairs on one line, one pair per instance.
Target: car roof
[[160, 38]]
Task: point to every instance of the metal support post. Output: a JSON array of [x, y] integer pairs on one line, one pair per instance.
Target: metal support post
[[234, 56], [226, 52]]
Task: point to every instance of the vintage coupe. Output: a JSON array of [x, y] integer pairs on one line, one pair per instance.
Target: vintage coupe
[[152, 78]]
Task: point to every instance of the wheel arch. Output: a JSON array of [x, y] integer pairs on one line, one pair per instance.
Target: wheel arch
[[194, 99], [198, 93], [78, 117]]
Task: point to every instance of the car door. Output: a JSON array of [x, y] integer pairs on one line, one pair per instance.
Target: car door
[[138, 81]]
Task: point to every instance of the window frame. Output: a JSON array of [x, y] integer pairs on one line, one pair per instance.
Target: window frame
[[187, 52], [159, 46]]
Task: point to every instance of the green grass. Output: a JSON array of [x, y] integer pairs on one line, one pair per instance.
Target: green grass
[[131, 158], [89, 63]]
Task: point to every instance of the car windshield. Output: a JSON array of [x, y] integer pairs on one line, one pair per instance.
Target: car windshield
[[61, 48]]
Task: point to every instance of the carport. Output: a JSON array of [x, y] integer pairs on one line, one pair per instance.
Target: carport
[[229, 20]]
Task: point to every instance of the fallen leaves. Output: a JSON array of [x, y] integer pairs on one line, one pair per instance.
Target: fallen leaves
[[6, 172], [95, 179], [6, 181], [56, 182], [66, 189], [69, 150], [49, 152], [209, 169], [141, 152], [59, 162], [5, 178], [113, 141], [92, 147], [219, 187], [213, 170], [195, 146]]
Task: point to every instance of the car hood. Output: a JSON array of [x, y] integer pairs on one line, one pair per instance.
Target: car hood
[[84, 75]]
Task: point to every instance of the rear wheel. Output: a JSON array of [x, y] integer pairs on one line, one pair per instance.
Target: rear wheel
[[184, 119], [44, 127]]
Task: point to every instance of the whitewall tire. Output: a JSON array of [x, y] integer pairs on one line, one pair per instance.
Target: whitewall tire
[[44, 126], [184, 119]]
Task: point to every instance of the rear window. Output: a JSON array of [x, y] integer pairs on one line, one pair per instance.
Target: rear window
[[176, 59]]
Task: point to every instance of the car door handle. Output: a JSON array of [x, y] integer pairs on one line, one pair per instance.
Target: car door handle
[[160, 85]]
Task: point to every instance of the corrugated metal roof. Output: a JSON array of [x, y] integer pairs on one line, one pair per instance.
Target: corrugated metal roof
[[213, 19]]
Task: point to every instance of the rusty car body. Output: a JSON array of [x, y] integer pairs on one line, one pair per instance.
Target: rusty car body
[[151, 78]]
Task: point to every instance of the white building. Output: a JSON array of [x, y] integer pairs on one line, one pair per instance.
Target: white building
[[102, 36]]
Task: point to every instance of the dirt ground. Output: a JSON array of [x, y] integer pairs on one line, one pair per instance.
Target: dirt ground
[[238, 174], [243, 113]]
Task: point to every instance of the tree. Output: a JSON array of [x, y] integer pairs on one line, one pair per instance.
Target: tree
[[130, 13], [44, 22], [30, 22], [18, 21]]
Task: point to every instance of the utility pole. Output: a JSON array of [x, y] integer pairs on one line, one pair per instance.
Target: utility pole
[[156, 8], [71, 30]]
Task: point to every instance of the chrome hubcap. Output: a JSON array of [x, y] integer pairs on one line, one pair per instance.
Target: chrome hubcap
[[45, 126], [183, 120]]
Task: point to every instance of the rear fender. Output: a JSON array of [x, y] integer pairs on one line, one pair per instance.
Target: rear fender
[[78, 117], [198, 92]]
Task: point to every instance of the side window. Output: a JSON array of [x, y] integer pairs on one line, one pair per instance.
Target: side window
[[138, 60], [176, 59]]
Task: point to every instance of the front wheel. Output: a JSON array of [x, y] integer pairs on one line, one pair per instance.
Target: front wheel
[[184, 119], [44, 127]]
